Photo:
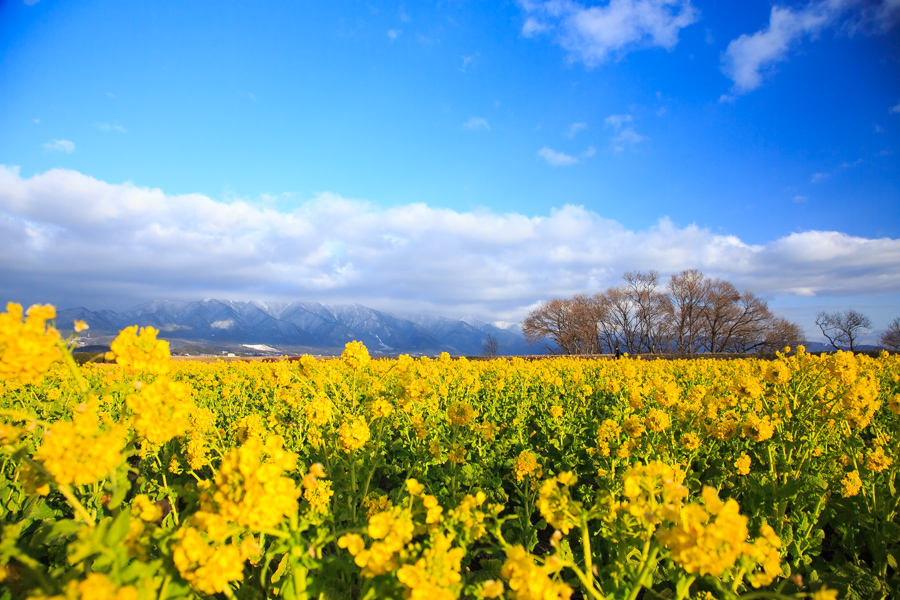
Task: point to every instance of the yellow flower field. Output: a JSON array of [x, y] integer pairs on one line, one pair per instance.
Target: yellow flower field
[[443, 478]]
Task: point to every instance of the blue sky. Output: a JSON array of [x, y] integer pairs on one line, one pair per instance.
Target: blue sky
[[451, 157]]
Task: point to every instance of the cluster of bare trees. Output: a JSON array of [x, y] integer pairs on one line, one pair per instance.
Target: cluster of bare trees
[[690, 314], [890, 339]]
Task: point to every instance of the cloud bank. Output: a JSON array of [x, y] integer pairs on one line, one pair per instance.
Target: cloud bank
[[60, 146], [594, 34], [73, 240], [750, 57]]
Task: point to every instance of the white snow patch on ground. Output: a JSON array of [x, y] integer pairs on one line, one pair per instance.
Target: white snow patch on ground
[[260, 347]]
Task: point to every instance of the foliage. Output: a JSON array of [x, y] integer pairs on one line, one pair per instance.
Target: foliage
[[440, 478]]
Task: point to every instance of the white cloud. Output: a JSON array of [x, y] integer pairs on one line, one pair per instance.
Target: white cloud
[[31, 2], [625, 136], [106, 127], [467, 60], [393, 34], [574, 128], [616, 121], [477, 124], [895, 109], [800, 198], [751, 57], [593, 34], [589, 152], [60, 146], [556, 159], [819, 177], [73, 240]]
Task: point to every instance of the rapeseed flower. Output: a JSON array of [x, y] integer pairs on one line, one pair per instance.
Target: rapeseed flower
[[528, 581], [851, 484], [96, 586], [162, 410], [742, 464], [707, 539], [207, 568], [29, 347], [140, 352], [355, 355], [526, 465], [353, 434], [251, 488], [83, 450]]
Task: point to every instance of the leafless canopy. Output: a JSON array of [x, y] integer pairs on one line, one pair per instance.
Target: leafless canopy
[[690, 314], [890, 339], [491, 346], [843, 328]]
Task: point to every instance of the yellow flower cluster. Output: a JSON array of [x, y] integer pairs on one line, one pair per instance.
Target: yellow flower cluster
[[460, 413], [392, 529], [318, 411], [82, 451], [707, 539], [528, 581], [851, 484], [878, 461], [202, 424], [27, 349], [140, 352], [526, 465], [145, 509], [95, 586], [756, 428], [355, 355], [162, 410], [317, 491], [251, 488], [555, 503], [208, 568], [435, 576], [655, 492], [353, 434], [742, 464], [375, 503], [470, 517]]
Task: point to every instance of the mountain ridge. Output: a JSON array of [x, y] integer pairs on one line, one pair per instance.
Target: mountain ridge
[[300, 326]]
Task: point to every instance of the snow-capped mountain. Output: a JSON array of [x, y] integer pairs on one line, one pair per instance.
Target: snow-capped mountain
[[300, 326]]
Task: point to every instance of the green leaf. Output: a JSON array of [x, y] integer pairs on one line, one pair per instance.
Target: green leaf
[[282, 567], [118, 530]]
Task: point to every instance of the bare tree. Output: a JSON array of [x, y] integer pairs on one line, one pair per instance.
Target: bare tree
[[491, 346], [843, 327], [691, 314], [688, 292], [619, 324], [749, 325], [890, 339], [651, 308], [718, 313], [568, 323], [782, 333]]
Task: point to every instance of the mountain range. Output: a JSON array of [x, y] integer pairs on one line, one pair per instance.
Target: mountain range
[[216, 326]]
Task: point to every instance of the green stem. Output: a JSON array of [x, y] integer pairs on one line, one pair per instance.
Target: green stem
[[683, 586], [165, 587], [588, 586], [66, 491], [649, 562], [588, 558]]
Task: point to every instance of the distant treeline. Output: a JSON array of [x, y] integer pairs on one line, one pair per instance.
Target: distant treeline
[[691, 314]]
